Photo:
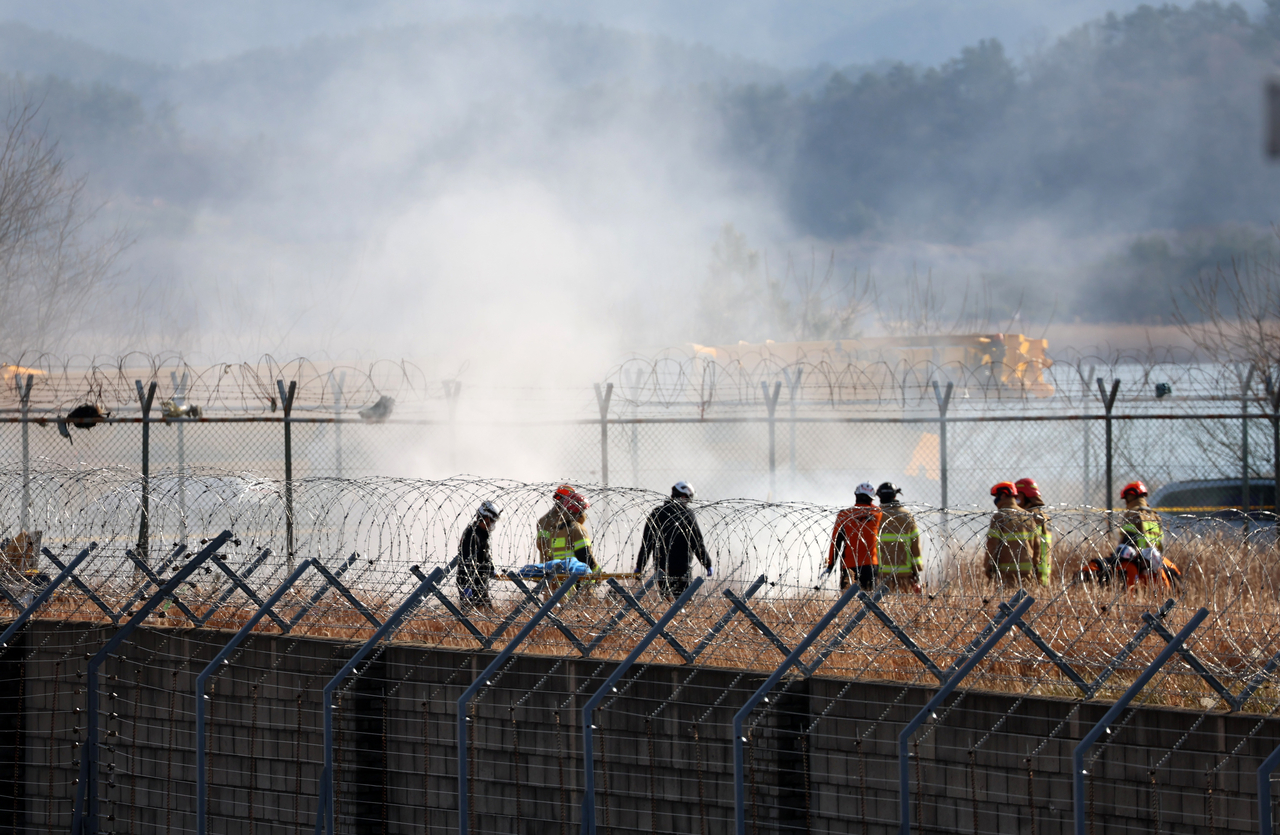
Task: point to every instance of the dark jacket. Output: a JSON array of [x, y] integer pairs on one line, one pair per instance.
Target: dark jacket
[[475, 564], [671, 535]]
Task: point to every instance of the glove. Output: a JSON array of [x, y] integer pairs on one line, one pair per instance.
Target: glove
[[709, 572]]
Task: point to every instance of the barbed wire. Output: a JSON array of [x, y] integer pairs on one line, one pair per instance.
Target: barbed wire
[[676, 382], [830, 377], [241, 388], [395, 524]]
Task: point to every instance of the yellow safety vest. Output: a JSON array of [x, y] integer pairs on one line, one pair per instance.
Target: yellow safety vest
[[566, 541], [916, 564]]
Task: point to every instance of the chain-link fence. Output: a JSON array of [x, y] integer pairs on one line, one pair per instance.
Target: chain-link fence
[[814, 459], [945, 442], [348, 684]]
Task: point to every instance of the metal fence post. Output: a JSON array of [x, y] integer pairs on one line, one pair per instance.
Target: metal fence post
[[1104, 725], [1269, 765], [1108, 401], [338, 383], [144, 523], [464, 701], [635, 379], [180, 400], [771, 403], [588, 759], [84, 815], [793, 384], [739, 791], [602, 400], [202, 791], [1088, 430], [944, 401], [904, 738], [1273, 400], [324, 804], [1245, 498], [286, 403], [24, 395]]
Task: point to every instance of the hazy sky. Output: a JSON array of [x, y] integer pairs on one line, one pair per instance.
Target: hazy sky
[[787, 34], [462, 199]]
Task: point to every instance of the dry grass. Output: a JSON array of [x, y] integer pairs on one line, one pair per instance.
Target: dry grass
[[1087, 625]]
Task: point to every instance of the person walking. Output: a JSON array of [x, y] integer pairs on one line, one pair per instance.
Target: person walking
[[673, 538], [1030, 500], [1012, 539], [855, 540], [475, 560], [901, 564]]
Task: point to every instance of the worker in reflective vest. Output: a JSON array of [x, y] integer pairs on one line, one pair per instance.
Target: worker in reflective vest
[[570, 538], [1030, 500], [551, 520], [901, 565], [1012, 540], [1140, 525]]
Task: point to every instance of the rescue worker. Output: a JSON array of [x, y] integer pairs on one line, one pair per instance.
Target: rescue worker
[[1011, 539], [1030, 500], [855, 540], [570, 538], [673, 538], [1140, 552], [551, 520], [1141, 524], [901, 564], [475, 561]]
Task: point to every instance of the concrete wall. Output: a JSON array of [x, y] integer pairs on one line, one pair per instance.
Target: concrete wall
[[822, 757]]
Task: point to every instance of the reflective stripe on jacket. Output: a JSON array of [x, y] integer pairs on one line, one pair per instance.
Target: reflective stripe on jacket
[[1142, 529], [547, 525], [568, 540], [1012, 542], [899, 550], [1044, 553]]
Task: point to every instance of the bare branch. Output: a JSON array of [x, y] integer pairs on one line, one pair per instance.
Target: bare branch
[[52, 261]]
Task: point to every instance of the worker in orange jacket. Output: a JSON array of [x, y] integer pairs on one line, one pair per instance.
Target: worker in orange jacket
[[855, 539]]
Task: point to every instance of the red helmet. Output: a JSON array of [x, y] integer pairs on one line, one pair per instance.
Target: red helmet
[[1027, 488], [575, 503], [1133, 490], [1004, 488], [563, 492]]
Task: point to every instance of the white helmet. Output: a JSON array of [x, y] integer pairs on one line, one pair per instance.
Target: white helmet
[[866, 488], [682, 490], [488, 510]]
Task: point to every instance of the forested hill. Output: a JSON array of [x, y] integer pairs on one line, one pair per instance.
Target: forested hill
[[1146, 122], [1152, 120]]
